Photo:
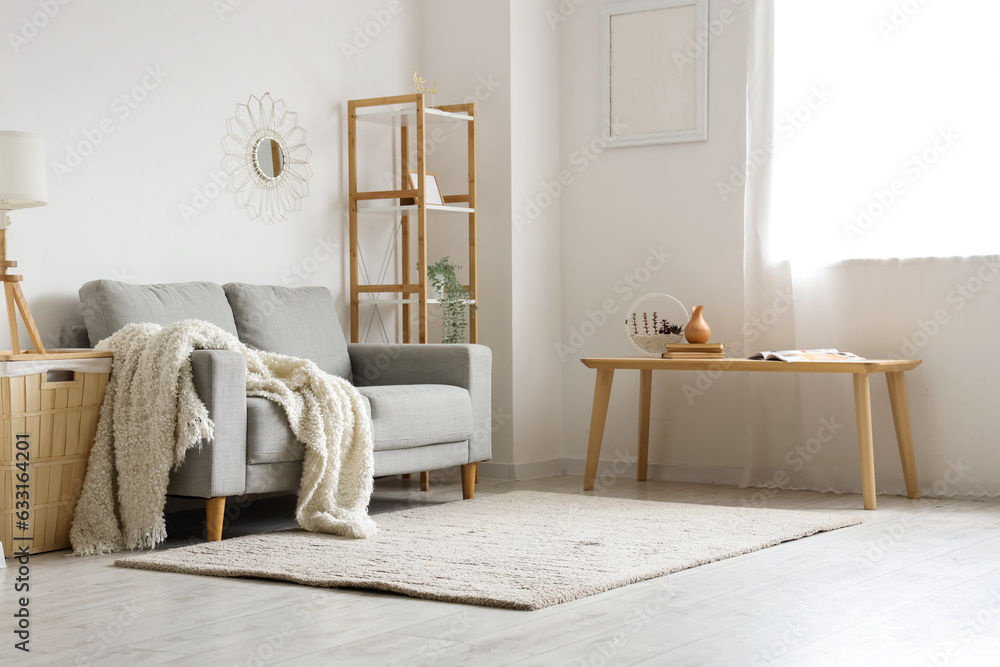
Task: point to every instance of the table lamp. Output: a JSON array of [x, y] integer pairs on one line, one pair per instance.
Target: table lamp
[[22, 185]]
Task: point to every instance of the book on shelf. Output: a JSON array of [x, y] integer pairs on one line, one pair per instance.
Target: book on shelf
[[694, 355], [808, 355], [695, 347], [695, 351]]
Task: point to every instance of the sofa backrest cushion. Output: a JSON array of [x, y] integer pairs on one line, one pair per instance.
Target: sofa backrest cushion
[[298, 322], [109, 305]]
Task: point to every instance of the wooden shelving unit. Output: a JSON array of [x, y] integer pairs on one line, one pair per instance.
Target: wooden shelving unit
[[405, 114]]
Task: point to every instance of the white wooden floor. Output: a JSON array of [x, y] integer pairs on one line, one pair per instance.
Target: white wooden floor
[[917, 584]]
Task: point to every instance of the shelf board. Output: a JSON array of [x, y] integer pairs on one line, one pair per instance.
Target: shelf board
[[412, 302], [392, 210], [408, 116]]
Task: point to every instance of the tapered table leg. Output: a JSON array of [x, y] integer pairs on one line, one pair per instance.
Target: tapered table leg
[[866, 450], [904, 437], [598, 416], [645, 394]]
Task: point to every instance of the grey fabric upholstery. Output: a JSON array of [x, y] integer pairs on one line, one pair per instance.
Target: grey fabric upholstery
[[430, 404], [109, 305], [415, 415], [217, 468], [271, 477], [269, 438], [274, 477], [466, 366], [403, 416], [298, 322], [429, 457]]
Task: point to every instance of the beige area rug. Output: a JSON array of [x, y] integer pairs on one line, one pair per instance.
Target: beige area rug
[[518, 550]]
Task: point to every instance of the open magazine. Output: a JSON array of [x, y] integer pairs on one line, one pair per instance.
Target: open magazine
[[807, 355]]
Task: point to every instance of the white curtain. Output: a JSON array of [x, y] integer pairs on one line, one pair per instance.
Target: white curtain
[[801, 430]]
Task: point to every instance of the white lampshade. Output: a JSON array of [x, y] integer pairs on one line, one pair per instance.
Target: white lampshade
[[22, 170]]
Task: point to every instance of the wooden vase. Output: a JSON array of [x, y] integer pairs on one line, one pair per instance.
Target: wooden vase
[[697, 329]]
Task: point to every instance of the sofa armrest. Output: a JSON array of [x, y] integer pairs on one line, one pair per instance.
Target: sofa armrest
[[467, 366], [217, 468]]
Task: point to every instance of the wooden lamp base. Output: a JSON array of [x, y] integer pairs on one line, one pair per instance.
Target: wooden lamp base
[[15, 300]]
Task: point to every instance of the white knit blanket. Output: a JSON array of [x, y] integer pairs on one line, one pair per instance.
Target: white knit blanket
[[152, 415]]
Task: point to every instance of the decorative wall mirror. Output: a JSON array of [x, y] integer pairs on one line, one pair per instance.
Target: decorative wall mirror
[[267, 160]]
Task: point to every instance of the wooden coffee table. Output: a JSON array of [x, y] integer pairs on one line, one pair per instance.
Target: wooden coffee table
[[860, 370]]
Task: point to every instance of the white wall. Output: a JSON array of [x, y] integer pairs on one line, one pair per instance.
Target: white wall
[[622, 204], [510, 46], [536, 237], [466, 50], [118, 214]]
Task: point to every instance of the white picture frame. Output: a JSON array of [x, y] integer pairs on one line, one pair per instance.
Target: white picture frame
[[433, 192], [655, 83]]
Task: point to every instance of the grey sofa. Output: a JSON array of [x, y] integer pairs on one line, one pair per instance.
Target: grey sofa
[[429, 404]]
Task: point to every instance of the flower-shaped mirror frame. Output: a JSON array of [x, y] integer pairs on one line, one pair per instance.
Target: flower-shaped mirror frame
[[269, 191]]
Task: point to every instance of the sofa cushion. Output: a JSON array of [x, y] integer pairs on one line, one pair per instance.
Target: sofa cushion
[[297, 322], [109, 305], [403, 416], [269, 438], [414, 415]]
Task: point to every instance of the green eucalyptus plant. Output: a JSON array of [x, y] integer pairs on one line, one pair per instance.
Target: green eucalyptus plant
[[454, 297]]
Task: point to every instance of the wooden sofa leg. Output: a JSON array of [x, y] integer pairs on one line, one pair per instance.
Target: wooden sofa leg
[[215, 512], [425, 480], [405, 475], [469, 480]]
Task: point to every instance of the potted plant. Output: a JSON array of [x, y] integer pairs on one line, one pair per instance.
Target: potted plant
[[653, 336], [453, 296]]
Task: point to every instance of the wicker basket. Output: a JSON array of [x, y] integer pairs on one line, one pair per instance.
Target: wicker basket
[[51, 413]]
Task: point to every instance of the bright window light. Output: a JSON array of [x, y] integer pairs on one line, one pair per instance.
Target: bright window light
[[887, 129]]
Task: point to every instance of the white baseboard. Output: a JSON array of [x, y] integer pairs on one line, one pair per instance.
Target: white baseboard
[[727, 475], [516, 471], [730, 476]]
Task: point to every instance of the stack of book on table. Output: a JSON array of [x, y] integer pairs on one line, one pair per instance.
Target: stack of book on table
[[695, 351]]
